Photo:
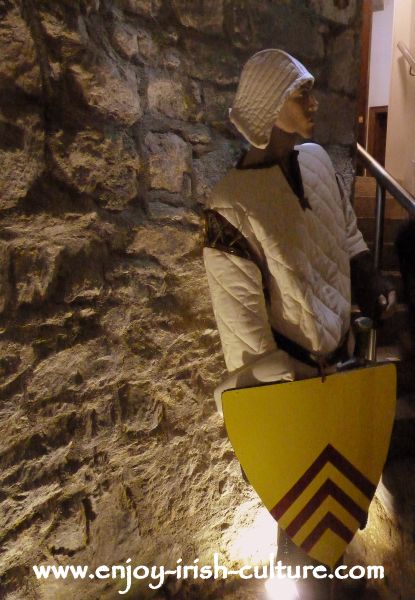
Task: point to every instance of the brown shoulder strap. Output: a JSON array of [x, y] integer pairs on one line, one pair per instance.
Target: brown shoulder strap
[[221, 234]]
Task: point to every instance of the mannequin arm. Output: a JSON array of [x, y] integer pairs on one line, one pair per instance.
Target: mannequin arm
[[239, 306]]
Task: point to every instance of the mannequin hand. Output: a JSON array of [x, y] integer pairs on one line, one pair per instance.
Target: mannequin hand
[[387, 305]]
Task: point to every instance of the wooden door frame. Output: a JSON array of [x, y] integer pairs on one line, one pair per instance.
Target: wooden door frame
[[363, 92]]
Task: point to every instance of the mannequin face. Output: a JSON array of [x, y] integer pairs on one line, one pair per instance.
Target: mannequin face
[[297, 113]]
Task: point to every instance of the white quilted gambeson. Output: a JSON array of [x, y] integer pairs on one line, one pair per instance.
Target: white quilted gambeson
[[304, 256]]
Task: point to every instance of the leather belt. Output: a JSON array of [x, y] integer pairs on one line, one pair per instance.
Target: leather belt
[[312, 359]]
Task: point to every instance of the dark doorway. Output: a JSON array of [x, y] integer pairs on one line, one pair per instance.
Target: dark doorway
[[378, 122], [362, 100]]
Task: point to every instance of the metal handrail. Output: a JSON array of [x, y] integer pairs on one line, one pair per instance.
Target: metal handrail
[[408, 57], [384, 182], [405, 199]]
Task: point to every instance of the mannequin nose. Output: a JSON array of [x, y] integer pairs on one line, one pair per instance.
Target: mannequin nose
[[313, 103]]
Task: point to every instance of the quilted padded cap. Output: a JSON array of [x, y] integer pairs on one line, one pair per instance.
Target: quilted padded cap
[[267, 79]]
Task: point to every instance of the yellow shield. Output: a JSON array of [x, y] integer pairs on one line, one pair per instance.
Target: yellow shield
[[314, 451]]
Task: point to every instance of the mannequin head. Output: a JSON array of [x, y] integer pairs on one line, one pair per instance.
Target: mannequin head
[[297, 112], [272, 82]]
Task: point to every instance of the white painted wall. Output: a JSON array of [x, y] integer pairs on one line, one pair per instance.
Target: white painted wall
[[381, 55], [400, 141]]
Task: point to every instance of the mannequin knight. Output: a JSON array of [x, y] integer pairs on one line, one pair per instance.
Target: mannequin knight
[[282, 247]]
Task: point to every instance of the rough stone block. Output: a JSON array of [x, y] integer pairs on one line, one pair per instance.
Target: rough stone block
[[172, 59], [60, 375], [124, 40], [18, 65], [344, 61], [58, 258], [147, 47], [211, 167], [203, 15], [169, 158], [146, 8], [21, 154], [69, 533], [69, 37], [163, 242], [106, 166], [169, 97], [217, 63], [239, 25], [111, 90], [36, 268], [280, 25], [15, 360], [218, 103], [335, 120], [339, 11], [197, 134]]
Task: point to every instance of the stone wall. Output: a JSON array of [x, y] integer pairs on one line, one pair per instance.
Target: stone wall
[[113, 121]]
